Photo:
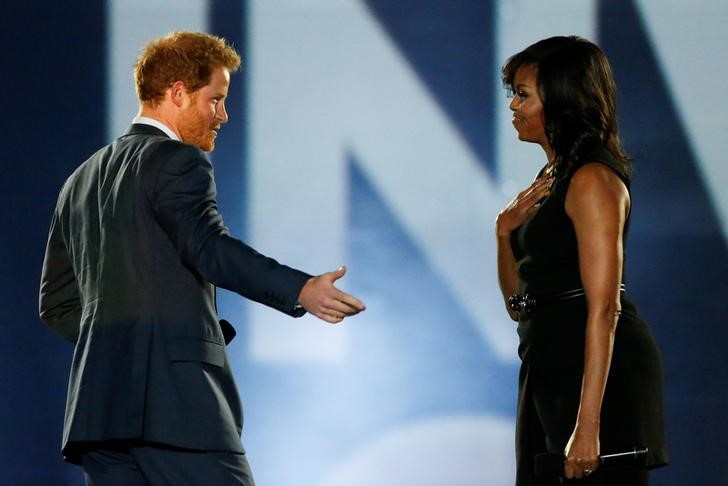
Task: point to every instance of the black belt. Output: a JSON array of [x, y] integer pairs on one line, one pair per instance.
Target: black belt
[[528, 303]]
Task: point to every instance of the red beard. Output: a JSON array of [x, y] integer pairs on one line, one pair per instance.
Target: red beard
[[194, 130]]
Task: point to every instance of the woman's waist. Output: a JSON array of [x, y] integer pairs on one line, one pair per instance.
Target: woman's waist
[[557, 331], [531, 299]]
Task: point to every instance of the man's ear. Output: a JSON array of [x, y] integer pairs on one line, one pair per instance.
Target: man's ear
[[178, 93]]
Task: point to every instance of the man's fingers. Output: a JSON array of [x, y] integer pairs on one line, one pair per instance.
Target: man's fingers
[[322, 299], [337, 274], [350, 301], [330, 318], [344, 308]]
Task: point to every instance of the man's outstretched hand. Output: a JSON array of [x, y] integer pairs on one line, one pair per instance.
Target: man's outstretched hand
[[320, 298]]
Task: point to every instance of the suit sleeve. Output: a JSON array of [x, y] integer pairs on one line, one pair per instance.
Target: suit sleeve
[[184, 203], [59, 301]]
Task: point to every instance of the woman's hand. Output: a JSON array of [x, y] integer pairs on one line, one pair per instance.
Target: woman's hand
[[582, 452], [522, 206], [511, 217]]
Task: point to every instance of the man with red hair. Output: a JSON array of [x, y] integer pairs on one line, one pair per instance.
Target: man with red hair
[[135, 251]]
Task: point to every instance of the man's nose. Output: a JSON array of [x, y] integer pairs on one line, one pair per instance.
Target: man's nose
[[221, 114]]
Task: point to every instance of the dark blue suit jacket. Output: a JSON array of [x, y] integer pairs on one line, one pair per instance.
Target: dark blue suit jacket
[[135, 250]]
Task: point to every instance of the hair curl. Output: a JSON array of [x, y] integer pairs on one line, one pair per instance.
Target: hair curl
[[578, 93], [190, 57]]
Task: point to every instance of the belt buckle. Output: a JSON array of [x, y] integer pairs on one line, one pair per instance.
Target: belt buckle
[[521, 303]]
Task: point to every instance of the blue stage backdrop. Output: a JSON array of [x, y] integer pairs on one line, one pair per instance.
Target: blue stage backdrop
[[376, 134]]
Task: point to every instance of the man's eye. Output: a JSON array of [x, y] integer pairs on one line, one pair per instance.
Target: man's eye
[[522, 94]]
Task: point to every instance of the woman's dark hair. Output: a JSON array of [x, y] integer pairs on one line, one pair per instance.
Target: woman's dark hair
[[578, 93]]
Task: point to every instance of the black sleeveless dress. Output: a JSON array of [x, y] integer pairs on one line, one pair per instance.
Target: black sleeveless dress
[[552, 348]]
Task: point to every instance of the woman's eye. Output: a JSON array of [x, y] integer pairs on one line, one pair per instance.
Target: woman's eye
[[522, 94]]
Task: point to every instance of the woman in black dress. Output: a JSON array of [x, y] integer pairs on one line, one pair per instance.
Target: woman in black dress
[[591, 379]]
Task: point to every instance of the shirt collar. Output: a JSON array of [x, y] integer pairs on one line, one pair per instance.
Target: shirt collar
[[144, 120]]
